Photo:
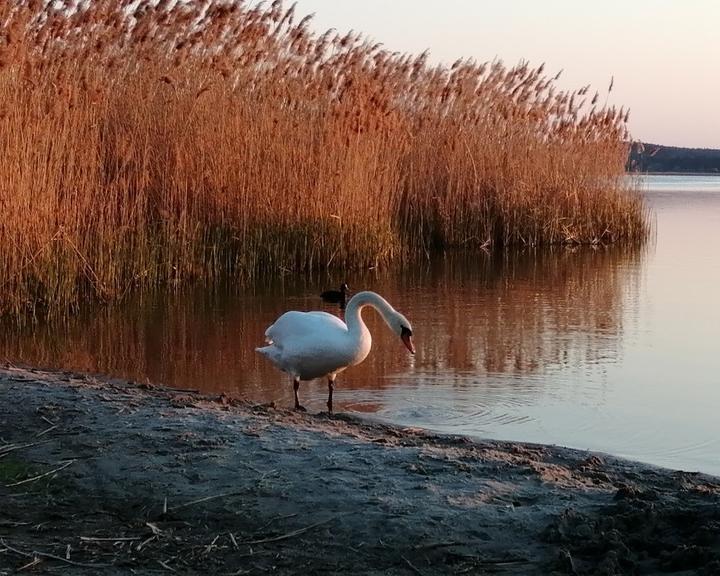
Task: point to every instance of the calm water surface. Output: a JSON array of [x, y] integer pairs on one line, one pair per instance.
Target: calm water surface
[[597, 349]]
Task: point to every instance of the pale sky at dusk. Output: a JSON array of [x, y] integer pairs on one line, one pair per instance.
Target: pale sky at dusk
[[664, 54]]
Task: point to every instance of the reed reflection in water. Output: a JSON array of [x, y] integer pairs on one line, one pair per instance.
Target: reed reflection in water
[[605, 349], [481, 323]]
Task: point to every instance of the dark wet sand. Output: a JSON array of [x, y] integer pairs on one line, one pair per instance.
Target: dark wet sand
[[108, 477]]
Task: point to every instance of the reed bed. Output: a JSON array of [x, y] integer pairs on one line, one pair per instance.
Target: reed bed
[[150, 143]]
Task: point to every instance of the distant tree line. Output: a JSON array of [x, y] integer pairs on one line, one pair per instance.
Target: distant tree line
[[645, 157]]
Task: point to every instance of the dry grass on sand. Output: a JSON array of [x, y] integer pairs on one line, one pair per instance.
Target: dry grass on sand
[[116, 478]]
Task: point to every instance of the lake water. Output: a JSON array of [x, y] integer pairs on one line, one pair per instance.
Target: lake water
[[603, 349]]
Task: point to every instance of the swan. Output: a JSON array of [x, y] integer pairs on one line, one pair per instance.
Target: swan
[[309, 345], [336, 296]]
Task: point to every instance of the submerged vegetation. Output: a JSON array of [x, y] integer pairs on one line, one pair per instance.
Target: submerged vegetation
[[153, 142]]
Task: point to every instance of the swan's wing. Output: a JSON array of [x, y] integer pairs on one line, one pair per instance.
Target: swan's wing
[[310, 344], [295, 326], [331, 319]]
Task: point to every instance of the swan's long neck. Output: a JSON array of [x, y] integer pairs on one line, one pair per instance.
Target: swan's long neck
[[354, 320]]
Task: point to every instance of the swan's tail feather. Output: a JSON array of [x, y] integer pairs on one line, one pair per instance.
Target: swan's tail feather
[[273, 354]]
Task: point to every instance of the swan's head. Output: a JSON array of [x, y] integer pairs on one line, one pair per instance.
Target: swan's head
[[344, 288], [395, 321], [404, 329]]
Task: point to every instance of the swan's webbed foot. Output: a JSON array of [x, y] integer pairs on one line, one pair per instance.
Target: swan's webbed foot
[[300, 408]]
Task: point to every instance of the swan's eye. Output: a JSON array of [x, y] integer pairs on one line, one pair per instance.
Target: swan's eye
[[405, 331]]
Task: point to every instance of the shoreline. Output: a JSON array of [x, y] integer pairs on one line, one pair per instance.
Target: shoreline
[[673, 173], [105, 476]]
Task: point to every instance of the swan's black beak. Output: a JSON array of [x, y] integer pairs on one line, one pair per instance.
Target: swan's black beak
[[406, 337]]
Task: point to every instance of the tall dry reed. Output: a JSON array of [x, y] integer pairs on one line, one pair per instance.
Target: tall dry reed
[[153, 142]]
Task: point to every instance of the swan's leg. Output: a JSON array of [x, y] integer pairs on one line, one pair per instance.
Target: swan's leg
[[296, 385], [331, 387]]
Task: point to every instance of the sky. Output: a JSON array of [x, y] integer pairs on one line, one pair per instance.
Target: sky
[[664, 55]]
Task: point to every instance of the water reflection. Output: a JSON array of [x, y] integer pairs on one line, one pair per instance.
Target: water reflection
[[605, 348], [512, 314], [520, 312]]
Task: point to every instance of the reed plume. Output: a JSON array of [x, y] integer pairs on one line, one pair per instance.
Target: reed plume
[[151, 143]]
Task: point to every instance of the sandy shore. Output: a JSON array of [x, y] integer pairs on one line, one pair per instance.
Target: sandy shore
[[100, 477]]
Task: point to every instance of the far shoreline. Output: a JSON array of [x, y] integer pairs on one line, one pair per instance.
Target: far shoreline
[[673, 174]]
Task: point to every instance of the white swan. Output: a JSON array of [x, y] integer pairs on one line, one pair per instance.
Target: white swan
[[310, 345]]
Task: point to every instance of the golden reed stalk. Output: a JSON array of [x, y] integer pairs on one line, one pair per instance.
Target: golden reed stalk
[[146, 143]]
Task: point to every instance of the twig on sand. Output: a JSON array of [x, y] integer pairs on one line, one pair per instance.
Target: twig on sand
[[209, 548], [34, 562], [413, 567], [200, 500], [46, 431], [40, 476], [144, 542], [7, 448], [111, 539], [433, 545], [37, 553], [285, 517], [288, 534], [509, 562], [46, 419], [166, 566], [154, 527]]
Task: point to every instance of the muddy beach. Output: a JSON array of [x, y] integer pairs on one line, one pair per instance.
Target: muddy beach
[[111, 477]]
